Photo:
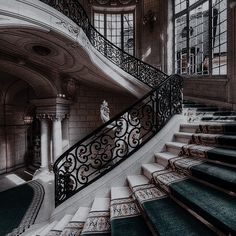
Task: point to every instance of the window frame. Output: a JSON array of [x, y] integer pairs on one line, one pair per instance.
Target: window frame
[[121, 13], [186, 12]]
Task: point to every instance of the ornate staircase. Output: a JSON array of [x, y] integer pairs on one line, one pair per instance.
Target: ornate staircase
[[189, 190]]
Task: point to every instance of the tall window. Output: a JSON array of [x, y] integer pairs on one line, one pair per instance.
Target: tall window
[[117, 28], [200, 37]]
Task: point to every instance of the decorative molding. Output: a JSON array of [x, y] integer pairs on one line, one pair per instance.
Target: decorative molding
[[52, 109], [122, 208], [97, 222], [70, 87], [48, 116], [72, 29], [148, 192]]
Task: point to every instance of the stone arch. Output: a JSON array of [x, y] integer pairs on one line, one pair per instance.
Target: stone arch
[[42, 86]]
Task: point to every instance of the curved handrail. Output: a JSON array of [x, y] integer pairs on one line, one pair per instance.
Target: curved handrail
[[117, 139], [142, 71], [120, 137]]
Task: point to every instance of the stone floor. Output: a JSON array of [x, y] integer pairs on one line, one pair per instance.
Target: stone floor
[[14, 178]]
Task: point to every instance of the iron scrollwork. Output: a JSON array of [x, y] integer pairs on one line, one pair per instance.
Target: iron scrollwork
[[117, 139], [142, 71], [120, 137]]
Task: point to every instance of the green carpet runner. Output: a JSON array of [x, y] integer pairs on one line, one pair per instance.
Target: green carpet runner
[[126, 218], [219, 175], [213, 205], [218, 154], [166, 217], [19, 207]]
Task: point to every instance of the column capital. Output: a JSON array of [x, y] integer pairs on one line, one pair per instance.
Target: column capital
[[52, 109]]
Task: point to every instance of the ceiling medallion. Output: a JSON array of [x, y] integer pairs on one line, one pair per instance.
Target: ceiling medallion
[[41, 50]]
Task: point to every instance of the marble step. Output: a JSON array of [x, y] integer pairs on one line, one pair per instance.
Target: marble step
[[58, 228], [126, 218], [224, 155], [76, 224], [213, 205], [174, 147], [182, 137], [189, 127], [146, 167], [221, 176], [220, 140], [163, 158], [208, 127], [47, 228], [218, 118], [98, 220], [165, 216]]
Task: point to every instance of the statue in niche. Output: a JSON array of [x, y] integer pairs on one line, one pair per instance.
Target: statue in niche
[[104, 112], [126, 126]]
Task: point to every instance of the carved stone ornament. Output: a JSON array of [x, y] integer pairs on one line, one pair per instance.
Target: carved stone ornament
[[50, 116], [70, 86]]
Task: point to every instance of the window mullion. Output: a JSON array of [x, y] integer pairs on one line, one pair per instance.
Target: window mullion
[[122, 31], [188, 38], [210, 37]]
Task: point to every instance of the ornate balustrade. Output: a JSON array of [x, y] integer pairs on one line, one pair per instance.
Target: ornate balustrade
[[119, 138], [142, 71], [116, 140]]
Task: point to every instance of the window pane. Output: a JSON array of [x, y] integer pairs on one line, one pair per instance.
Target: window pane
[[219, 37]]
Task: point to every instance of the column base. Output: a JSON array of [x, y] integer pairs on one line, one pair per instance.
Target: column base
[[44, 174]]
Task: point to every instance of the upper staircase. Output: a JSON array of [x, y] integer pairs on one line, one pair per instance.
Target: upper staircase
[[190, 189]]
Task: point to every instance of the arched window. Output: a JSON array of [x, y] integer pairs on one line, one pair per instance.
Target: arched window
[[117, 28], [200, 37]]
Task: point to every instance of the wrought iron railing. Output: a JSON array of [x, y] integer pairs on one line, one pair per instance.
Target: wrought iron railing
[[142, 71], [116, 140]]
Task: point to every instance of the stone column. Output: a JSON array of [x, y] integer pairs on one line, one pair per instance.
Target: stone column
[[45, 144], [56, 137]]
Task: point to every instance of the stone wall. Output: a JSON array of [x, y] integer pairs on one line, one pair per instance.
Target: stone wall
[[85, 112]]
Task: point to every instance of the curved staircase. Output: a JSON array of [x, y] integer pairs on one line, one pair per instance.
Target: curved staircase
[[189, 190]]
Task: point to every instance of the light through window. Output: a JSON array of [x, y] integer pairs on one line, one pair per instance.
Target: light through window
[[117, 28], [201, 37]]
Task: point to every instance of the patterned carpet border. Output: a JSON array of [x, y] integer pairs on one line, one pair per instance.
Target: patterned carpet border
[[33, 210]]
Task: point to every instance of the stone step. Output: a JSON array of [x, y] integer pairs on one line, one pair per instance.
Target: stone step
[[189, 127], [224, 113], [126, 218], [58, 228], [47, 229], [223, 155], [223, 177], [218, 118], [214, 140], [174, 147], [216, 207], [76, 224], [217, 128], [98, 220], [136, 180], [147, 167], [211, 128], [165, 216], [163, 158], [182, 137]]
